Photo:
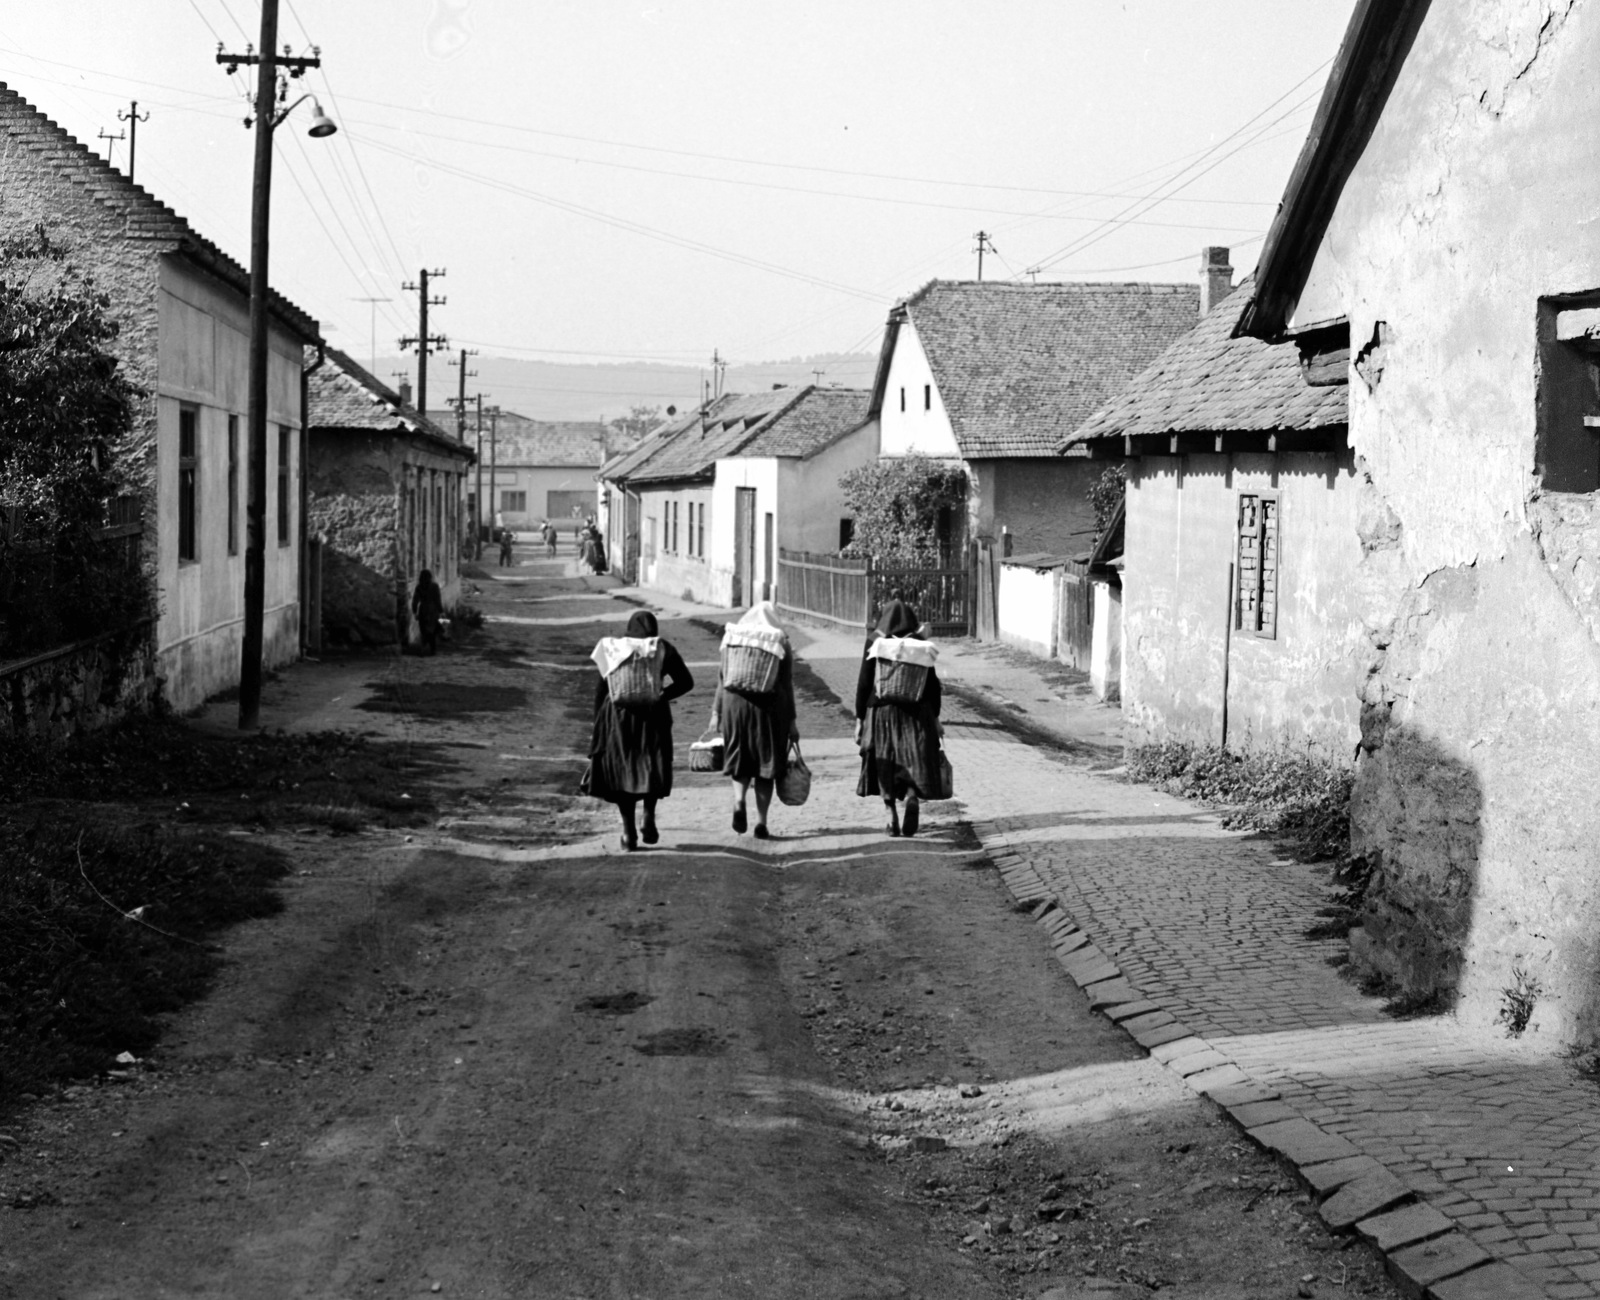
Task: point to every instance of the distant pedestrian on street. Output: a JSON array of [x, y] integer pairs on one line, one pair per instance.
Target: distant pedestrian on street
[[505, 548], [427, 603], [591, 549], [754, 710], [897, 717], [548, 532], [630, 751]]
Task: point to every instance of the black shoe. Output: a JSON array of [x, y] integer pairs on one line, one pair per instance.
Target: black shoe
[[740, 821], [629, 842], [893, 828], [912, 818], [762, 833], [649, 834]]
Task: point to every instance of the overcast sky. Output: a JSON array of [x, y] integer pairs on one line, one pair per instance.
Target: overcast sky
[[654, 180]]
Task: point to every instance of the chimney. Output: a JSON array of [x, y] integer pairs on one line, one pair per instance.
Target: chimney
[[405, 384], [1216, 277]]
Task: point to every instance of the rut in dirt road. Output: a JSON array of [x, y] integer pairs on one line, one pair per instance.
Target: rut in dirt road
[[499, 1058]]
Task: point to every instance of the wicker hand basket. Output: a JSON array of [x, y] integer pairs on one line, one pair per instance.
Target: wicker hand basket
[[900, 682], [636, 683], [705, 754], [749, 669]]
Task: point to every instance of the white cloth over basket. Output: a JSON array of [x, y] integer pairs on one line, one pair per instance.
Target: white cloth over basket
[[613, 651], [904, 650], [772, 640]]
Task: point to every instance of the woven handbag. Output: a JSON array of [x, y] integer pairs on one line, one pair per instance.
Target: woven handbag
[[636, 682], [945, 778], [705, 754], [794, 786]]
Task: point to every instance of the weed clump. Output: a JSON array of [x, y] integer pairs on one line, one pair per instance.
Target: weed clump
[[1294, 797]]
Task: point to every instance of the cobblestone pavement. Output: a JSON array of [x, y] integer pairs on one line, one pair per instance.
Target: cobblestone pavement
[[1470, 1158]]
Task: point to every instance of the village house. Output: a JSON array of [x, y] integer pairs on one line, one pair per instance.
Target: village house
[[183, 307], [541, 469], [621, 522], [1440, 218], [1244, 595], [385, 491], [994, 376], [720, 492]]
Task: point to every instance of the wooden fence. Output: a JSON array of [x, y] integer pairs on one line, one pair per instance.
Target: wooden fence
[[850, 591]]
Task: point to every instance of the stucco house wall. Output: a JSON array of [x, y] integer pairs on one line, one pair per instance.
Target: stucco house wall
[[1481, 727], [1040, 504], [1299, 689], [912, 423], [204, 352], [1025, 603], [678, 569]]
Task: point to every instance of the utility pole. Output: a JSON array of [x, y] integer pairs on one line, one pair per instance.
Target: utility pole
[[424, 342], [460, 401], [106, 135], [132, 118], [372, 325], [477, 534], [718, 365], [983, 242], [493, 413], [272, 90]]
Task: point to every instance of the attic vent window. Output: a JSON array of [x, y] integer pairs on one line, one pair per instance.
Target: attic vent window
[[927, 397], [1568, 448]]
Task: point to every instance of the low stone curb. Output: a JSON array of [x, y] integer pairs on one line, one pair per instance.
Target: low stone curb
[[1423, 1252]]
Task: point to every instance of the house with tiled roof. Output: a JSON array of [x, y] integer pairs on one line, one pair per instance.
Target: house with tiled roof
[[536, 470], [183, 308], [1242, 496], [718, 491], [621, 520], [1440, 218], [994, 376], [779, 492], [385, 491]]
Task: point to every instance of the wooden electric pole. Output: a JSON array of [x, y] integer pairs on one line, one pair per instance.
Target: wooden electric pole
[[271, 92], [132, 118], [425, 342]]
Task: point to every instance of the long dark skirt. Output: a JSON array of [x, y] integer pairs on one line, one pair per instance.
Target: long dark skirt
[[901, 755], [755, 738], [630, 753]]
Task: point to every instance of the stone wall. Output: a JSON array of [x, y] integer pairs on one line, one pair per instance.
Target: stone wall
[[80, 687]]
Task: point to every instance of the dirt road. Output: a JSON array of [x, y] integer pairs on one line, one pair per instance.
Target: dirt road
[[500, 1058]]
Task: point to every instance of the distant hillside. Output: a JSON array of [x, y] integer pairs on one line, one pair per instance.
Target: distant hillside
[[548, 390]]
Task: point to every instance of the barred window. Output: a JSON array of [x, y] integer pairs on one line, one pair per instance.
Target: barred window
[[1256, 608]]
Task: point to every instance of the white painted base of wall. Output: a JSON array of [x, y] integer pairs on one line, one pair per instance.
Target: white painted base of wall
[[194, 670], [1105, 665]]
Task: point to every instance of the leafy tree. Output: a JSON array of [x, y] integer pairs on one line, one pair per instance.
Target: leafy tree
[[1106, 493], [897, 504], [639, 423], [66, 412]]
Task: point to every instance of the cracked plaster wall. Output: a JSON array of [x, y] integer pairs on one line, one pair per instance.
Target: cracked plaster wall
[[1477, 195]]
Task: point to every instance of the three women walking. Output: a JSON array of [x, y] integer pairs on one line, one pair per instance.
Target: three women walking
[[754, 738]]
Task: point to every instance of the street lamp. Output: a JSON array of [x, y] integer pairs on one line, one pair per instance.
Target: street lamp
[[271, 90]]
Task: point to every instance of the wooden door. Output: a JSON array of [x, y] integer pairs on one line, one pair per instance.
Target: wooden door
[[744, 545]]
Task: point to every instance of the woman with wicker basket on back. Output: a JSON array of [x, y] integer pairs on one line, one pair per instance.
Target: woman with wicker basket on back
[[754, 710], [630, 752], [897, 718]]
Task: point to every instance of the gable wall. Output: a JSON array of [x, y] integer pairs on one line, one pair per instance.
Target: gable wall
[[914, 430], [1481, 724]]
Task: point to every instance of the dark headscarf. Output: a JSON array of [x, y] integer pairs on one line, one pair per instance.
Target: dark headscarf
[[898, 619], [642, 624]]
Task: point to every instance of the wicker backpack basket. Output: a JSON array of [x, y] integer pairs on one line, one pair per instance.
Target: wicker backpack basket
[[900, 682], [635, 683], [749, 669]]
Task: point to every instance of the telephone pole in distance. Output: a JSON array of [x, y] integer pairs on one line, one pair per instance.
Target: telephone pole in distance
[[983, 242], [424, 342], [460, 399], [132, 118]]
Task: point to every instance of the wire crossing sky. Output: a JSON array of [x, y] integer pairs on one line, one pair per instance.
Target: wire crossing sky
[[609, 181]]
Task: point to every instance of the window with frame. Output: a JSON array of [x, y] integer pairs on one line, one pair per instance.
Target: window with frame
[[1256, 600], [902, 397], [514, 503], [927, 397], [1567, 451], [233, 485], [283, 486], [700, 537], [674, 547], [188, 483]]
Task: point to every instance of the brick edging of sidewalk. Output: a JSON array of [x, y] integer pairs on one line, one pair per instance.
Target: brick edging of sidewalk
[[1424, 1252]]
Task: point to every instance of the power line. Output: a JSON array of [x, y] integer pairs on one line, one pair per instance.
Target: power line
[[635, 227]]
